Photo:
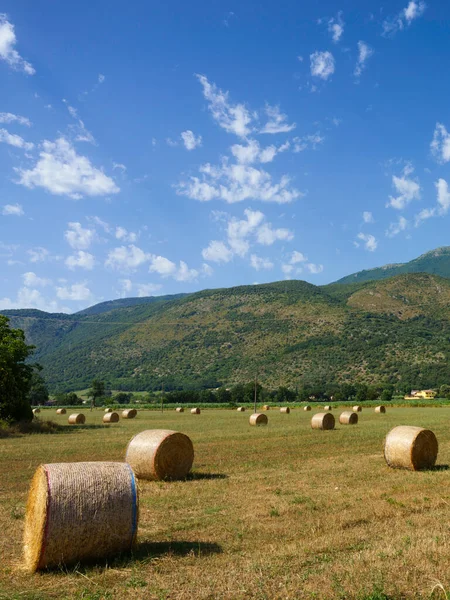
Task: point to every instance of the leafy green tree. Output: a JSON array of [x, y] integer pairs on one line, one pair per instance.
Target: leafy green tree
[[223, 395], [73, 400], [97, 391], [38, 390], [284, 394], [15, 375], [122, 398], [386, 395]]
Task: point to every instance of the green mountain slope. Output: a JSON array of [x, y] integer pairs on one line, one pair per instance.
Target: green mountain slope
[[436, 262], [124, 303], [287, 333]]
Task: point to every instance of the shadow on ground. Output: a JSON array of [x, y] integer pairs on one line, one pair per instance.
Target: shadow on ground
[[195, 476]]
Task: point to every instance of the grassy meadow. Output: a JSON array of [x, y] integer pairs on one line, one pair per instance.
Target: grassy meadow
[[274, 512]]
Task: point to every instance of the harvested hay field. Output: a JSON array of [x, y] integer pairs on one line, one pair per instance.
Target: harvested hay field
[[249, 522]]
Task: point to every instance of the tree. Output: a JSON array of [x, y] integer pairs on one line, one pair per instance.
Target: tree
[[38, 390], [15, 375], [284, 395], [122, 398], [386, 395], [97, 391]]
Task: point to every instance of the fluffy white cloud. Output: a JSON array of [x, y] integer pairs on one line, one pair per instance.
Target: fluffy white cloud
[[125, 236], [314, 269], [126, 258], [238, 230], [8, 53], [11, 118], [31, 298], [30, 279], [297, 257], [190, 141], [38, 254], [14, 140], [440, 146], [266, 235], [13, 209], [234, 118], [207, 270], [76, 291], [336, 27], [364, 53], [253, 152], [126, 286], [424, 214], [61, 171], [407, 189], [443, 196], [322, 64], [405, 17], [370, 243], [78, 237], [82, 134], [148, 289], [287, 269], [259, 263], [307, 141], [81, 259], [166, 268], [217, 252], [184, 273], [276, 121], [395, 228], [368, 217]]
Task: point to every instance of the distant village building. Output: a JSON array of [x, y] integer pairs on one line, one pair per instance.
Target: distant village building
[[421, 395]]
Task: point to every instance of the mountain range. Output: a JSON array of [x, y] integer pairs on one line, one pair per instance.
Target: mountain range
[[390, 324]]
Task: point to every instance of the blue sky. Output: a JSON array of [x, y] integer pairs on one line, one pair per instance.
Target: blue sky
[[165, 147]]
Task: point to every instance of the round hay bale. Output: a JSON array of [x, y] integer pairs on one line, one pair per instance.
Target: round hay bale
[[258, 419], [160, 454], [61, 411], [323, 421], [357, 409], [129, 413], [285, 409], [77, 419], [327, 407], [36, 411], [380, 409], [348, 418], [179, 409], [306, 408], [108, 410], [241, 409], [195, 411], [79, 511], [265, 407], [413, 448], [111, 417]]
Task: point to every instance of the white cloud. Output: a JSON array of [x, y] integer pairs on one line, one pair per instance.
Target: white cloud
[[76, 292], [395, 228], [443, 196], [314, 269], [14, 140], [190, 141], [166, 268], [407, 189], [38, 254], [217, 252], [30, 279], [148, 289], [238, 230], [267, 236], [234, 118], [336, 27], [8, 53], [126, 258], [31, 298], [368, 217], [101, 78], [126, 286], [78, 237], [307, 141], [405, 17], [13, 209], [207, 270], [259, 263], [11, 118], [322, 64], [424, 214], [297, 257], [81, 259], [61, 171], [119, 166], [277, 121], [287, 269], [440, 146], [253, 152], [103, 224], [364, 53], [370, 243], [82, 134], [184, 273], [125, 236]]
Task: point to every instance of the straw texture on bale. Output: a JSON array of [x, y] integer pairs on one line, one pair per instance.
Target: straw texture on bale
[[36, 411], [108, 410], [111, 417], [323, 421], [306, 408], [348, 418], [258, 419], [413, 448], [160, 454], [61, 411], [195, 411], [266, 407], [241, 409], [79, 511], [357, 409], [380, 409], [179, 409], [77, 419], [129, 413], [285, 409], [327, 407]]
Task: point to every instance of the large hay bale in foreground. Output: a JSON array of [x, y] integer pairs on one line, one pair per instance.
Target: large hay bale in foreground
[[111, 417], [307, 408], [323, 421], [380, 409], [285, 409], [408, 447], [348, 418], [61, 411], [357, 408], [327, 407], [179, 409], [258, 419], [265, 407], [129, 413], [195, 411], [77, 419], [108, 410], [79, 511], [160, 454], [241, 409]]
